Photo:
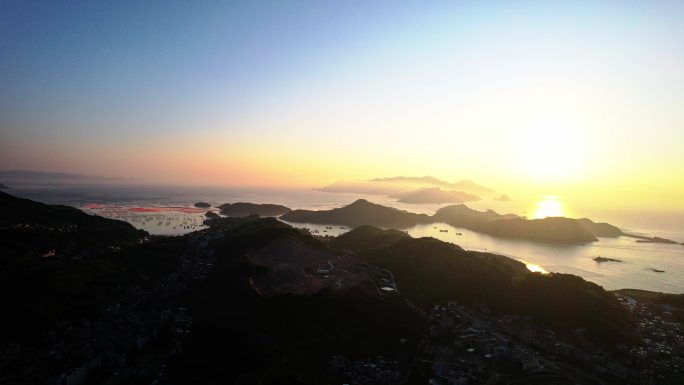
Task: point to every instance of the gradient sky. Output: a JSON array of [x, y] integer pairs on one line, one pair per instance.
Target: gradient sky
[[580, 98]]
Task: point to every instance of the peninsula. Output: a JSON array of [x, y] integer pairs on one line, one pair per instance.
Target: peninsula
[[605, 259]]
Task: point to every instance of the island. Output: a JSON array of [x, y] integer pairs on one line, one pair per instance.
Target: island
[[436, 195], [202, 205], [600, 259], [243, 209], [211, 215], [3, 186], [503, 198]]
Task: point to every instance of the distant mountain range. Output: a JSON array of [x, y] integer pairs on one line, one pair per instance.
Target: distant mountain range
[[409, 189], [436, 195], [549, 230], [463, 185], [45, 176]]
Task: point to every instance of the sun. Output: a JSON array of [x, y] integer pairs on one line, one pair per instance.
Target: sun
[[549, 151], [548, 206]]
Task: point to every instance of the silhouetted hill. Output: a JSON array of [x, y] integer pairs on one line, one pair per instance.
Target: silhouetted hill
[[29, 226], [59, 265], [204, 205], [3, 187], [550, 230], [243, 209], [436, 195], [464, 216], [430, 272], [366, 237], [242, 331], [361, 212], [600, 229]]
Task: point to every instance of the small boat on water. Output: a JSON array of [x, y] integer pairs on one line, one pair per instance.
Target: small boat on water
[[443, 231]]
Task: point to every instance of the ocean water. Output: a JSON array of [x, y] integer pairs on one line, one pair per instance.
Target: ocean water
[[168, 210]]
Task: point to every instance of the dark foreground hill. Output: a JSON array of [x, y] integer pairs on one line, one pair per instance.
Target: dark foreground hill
[[429, 272], [367, 237], [254, 300], [242, 332], [38, 229]]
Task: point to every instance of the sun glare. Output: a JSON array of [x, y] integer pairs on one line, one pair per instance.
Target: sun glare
[[549, 151], [549, 206]]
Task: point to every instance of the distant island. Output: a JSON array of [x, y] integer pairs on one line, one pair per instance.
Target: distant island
[[203, 205], [503, 198], [436, 195], [605, 259], [46, 176], [3, 187], [211, 215], [243, 209], [408, 189]]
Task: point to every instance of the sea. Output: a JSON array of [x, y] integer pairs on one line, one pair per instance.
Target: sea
[[169, 210]]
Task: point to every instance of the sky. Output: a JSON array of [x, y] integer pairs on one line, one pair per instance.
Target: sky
[[582, 99]]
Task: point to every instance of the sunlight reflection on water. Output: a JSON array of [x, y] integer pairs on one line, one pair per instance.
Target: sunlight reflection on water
[[533, 267]]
